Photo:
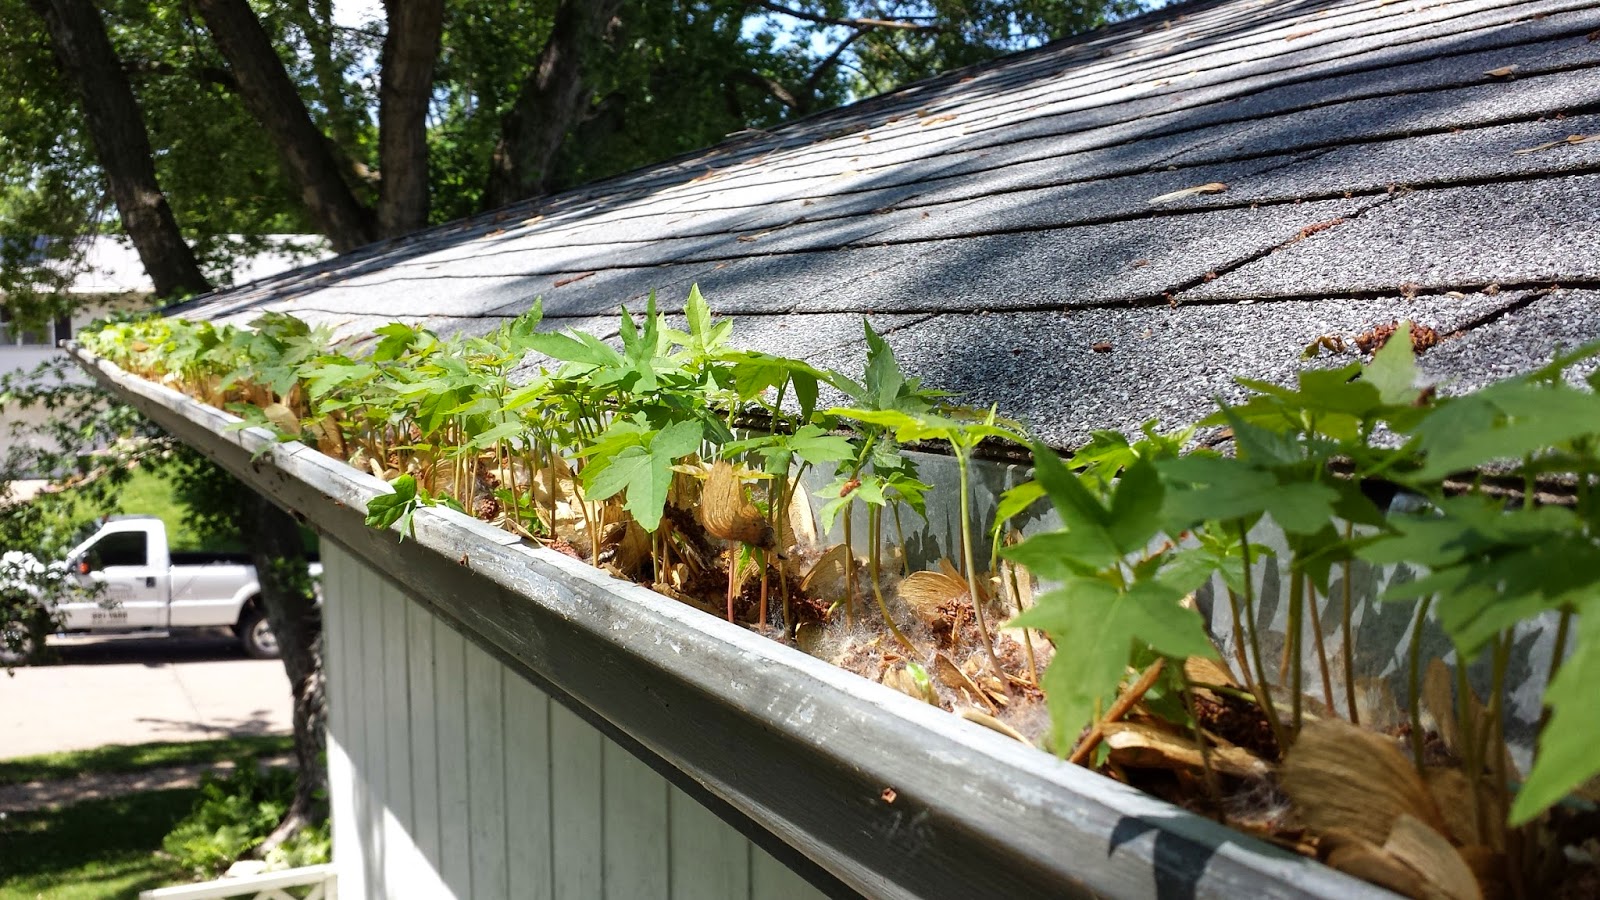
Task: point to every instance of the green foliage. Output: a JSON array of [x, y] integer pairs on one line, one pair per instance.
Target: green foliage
[[235, 813], [1143, 523]]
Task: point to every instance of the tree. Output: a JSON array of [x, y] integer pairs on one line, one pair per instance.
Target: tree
[[86, 57]]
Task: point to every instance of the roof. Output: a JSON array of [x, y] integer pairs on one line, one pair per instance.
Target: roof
[[1381, 161], [112, 266]]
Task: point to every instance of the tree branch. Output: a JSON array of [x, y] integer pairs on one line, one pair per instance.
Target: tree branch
[[832, 58], [774, 87], [308, 157], [846, 22], [117, 130]]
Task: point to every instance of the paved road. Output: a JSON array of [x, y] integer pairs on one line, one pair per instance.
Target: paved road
[[132, 690]]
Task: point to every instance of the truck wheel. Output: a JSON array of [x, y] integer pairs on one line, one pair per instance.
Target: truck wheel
[[256, 636]]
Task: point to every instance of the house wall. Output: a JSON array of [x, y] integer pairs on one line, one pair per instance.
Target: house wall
[[22, 353], [451, 776]]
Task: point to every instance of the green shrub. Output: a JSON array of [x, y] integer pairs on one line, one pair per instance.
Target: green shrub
[[235, 814]]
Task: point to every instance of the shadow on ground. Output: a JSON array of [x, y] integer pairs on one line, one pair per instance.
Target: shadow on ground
[[155, 649]]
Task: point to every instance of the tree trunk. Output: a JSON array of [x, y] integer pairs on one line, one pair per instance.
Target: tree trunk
[[116, 127], [279, 556], [307, 155], [549, 101], [409, 51]]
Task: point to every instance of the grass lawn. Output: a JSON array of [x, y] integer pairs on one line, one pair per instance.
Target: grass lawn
[[91, 850], [151, 494], [105, 848], [133, 757]]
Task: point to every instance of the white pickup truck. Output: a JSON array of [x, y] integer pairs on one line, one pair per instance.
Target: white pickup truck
[[140, 585]]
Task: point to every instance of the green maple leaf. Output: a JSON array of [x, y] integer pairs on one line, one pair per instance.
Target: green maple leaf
[[1096, 627], [641, 468], [1567, 757]]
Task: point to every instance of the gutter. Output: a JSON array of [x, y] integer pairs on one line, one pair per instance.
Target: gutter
[[796, 753]]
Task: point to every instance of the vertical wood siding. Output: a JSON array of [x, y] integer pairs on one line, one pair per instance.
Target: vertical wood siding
[[450, 775]]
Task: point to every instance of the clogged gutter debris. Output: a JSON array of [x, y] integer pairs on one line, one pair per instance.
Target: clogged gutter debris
[[1084, 640]]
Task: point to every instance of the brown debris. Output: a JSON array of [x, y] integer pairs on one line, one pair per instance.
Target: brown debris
[[563, 282], [1316, 227], [1423, 338], [1101, 347]]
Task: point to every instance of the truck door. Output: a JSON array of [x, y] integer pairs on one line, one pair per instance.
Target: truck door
[[134, 592]]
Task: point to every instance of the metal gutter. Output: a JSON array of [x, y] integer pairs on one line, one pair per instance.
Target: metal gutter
[[793, 751]]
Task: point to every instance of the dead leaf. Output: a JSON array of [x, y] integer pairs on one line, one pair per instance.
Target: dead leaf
[[1143, 746], [1101, 347], [957, 680], [1214, 187], [927, 593], [1453, 795], [1371, 863], [1569, 140], [1444, 873], [799, 527], [1438, 702], [728, 512], [1208, 671], [825, 578], [1344, 777], [993, 724], [283, 417], [1502, 72], [1376, 704]]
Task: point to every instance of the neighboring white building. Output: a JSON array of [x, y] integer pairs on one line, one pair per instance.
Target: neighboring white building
[[112, 278]]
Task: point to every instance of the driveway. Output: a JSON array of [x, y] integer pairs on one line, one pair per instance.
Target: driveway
[[137, 689]]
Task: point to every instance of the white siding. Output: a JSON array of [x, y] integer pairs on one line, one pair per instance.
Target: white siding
[[450, 775]]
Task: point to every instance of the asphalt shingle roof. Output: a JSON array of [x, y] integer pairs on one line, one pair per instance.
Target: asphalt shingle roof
[[997, 221]]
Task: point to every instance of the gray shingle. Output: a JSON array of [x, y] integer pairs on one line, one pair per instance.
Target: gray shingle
[[1517, 232]]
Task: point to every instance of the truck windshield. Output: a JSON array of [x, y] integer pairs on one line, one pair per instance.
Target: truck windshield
[[124, 548]]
